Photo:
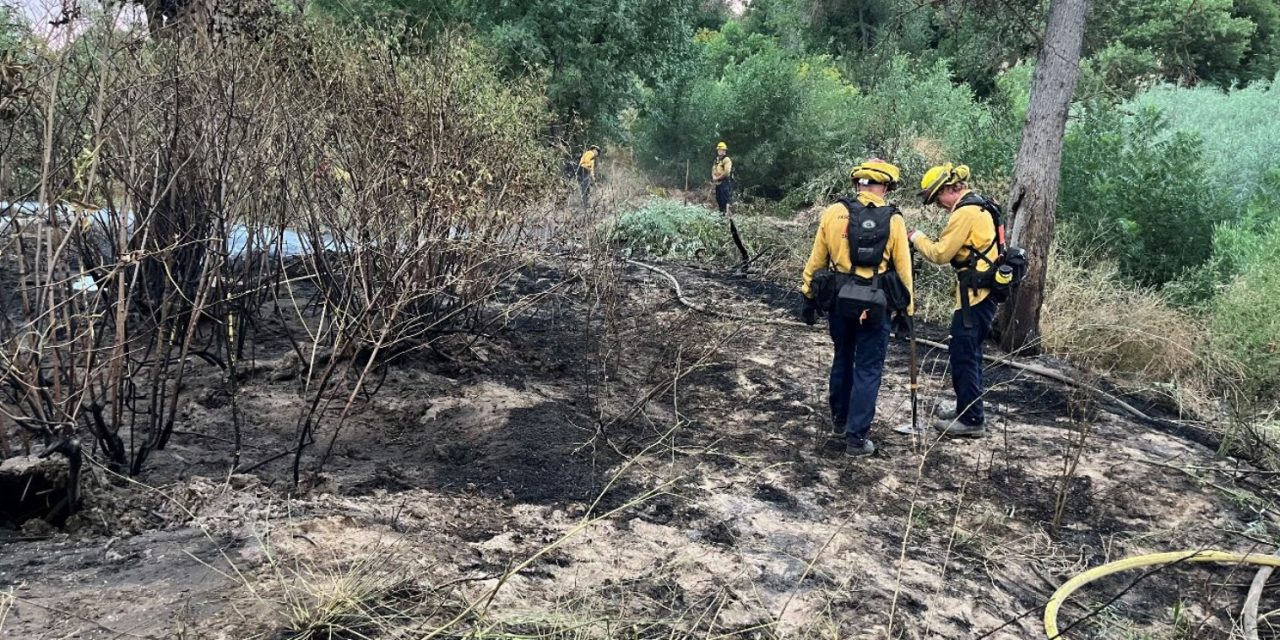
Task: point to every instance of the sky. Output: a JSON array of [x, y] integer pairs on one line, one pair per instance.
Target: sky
[[40, 13]]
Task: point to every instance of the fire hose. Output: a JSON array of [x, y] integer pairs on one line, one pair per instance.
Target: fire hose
[[1071, 586]]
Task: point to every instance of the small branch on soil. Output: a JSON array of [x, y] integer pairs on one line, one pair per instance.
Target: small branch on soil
[[1249, 615]]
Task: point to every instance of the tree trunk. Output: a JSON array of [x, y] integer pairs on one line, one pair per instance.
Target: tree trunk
[[1037, 170]]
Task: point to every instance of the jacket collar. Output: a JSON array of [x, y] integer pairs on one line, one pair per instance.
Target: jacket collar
[[870, 199]]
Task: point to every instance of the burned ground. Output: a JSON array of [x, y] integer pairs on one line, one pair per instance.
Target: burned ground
[[646, 471]]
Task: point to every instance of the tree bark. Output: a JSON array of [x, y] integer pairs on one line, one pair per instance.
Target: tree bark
[[1037, 170]]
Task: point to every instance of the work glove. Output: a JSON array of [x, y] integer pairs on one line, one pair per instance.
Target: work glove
[[809, 311], [911, 237], [903, 325]]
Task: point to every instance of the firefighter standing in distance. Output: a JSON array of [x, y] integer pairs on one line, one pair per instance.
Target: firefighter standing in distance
[[722, 177], [587, 172]]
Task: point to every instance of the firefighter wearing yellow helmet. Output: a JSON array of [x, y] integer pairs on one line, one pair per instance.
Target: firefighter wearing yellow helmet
[[587, 172], [860, 253], [722, 177], [970, 243]]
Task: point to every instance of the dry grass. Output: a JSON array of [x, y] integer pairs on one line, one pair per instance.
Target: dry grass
[[1092, 318], [7, 600], [364, 601]]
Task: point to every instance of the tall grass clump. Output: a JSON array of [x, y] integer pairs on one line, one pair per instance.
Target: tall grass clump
[[1246, 321], [1095, 317]]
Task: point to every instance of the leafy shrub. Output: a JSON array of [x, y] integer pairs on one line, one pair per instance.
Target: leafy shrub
[[800, 121], [1141, 192], [668, 229], [782, 115], [1246, 317], [665, 228], [1238, 245]]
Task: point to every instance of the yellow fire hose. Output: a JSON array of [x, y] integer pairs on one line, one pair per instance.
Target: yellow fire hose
[[1071, 586]]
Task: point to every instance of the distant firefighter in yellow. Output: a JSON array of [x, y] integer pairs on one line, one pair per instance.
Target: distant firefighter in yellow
[[722, 177], [587, 172]]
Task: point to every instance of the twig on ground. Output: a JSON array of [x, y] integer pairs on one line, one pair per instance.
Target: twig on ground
[[1249, 615]]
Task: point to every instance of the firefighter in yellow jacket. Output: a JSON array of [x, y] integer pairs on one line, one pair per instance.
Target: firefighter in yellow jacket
[[722, 177], [587, 171], [879, 245], [969, 244]]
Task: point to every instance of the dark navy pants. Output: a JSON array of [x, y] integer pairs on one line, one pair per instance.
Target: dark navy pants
[[856, 372], [724, 195], [584, 183], [966, 359]]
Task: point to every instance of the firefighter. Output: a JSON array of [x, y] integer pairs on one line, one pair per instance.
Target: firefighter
[[860, 243], [722, 177], [969, 244], [587, 171]]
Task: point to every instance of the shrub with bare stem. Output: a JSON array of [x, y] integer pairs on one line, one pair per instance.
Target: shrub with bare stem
[[191, 186]]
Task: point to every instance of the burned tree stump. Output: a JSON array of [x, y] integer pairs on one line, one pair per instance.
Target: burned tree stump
[[44, 486]]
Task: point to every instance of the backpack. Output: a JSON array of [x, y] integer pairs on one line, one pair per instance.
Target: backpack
[[1006, 272], [849, 295]]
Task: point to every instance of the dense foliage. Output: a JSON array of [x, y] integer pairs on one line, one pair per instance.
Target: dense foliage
[[1172, 167], [593, 56]]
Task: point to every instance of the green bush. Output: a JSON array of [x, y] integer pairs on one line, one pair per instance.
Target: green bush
[[669, 229], [1238, 245], [1240, 143], [1142, 193], [783, 116], [1246, 322], [799, 122], [672, 230]]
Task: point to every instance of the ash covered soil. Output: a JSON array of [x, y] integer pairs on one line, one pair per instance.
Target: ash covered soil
[[613, 464]]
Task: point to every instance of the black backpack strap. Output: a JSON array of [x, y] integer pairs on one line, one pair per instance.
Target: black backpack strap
[[992, 208]]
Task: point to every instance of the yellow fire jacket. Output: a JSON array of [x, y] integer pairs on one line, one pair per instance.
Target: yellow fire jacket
[[968, 226], [721, 169], [831, 247], [588, 161]]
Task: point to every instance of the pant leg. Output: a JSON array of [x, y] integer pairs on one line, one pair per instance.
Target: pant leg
[[871, 343], [841, 383], [966, 360], [724, 195], [584, 182]]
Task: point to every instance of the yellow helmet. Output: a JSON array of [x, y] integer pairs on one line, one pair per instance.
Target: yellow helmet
[[878, 171], [722, 146], [940, 176]]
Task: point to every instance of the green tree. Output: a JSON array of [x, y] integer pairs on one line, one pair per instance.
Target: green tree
[[784, 116], [594, 56], [1262, 58], [1186, 40]]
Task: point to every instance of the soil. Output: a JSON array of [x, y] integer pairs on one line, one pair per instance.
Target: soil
[[612, 464]]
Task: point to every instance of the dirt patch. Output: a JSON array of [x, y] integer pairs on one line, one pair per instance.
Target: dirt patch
[[652, 473]]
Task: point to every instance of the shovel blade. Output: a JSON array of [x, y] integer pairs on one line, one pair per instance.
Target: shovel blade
[[911, 430]]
